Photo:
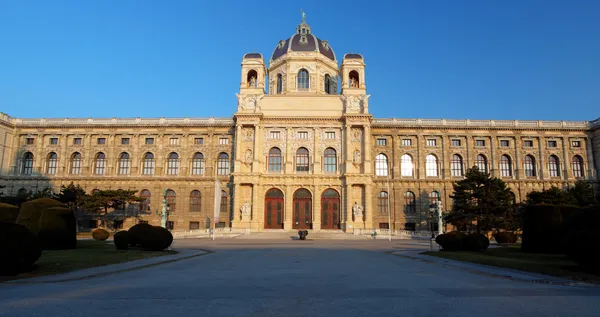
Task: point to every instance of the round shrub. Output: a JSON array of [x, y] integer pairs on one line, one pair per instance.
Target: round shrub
[[122, 240], [158, 239], [100, 234], [451, 241], [138, 233], [505, 237], [31, 211], [19, 249], [476, 242], [57, 229], [8, 213]]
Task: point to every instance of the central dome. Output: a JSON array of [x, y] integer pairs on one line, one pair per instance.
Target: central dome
[[303, 41]]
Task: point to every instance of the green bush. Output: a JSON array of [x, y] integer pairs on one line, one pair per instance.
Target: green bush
[[31, 211], [543, 228], [100, 234], [581, 235], [139, 233], [476, 242], [505, 237], [8, 213], [19, 249], [158, 239], [122, 239], [451, 241], [58, 229]]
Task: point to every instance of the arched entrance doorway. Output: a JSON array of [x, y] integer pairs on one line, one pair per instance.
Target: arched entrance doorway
[[330, 209], [274, 209], [302, 209]]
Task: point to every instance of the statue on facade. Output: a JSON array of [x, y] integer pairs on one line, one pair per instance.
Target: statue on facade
[[252, 82], [248, 158], [357, 210], [245, 210], [356, 156]]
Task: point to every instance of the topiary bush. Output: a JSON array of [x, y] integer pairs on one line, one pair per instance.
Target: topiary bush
[[158, 239], [451, 241], [138, 233], [100, 234], [8, 213], [58, 230], [476, 242], [31, 211], [122, 239], [19, 249], [505, 237]]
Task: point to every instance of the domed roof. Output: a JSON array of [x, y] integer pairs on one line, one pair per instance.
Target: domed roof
[[303, 41]]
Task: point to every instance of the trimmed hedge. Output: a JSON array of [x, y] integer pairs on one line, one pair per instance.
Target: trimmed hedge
[[476, 242], [58, 229], [152, 238], [451, 241], [138, 233], [19, 249], [31, 211], [122, 239], [543, 228], [100, 234], [506, 237], [8, 213]]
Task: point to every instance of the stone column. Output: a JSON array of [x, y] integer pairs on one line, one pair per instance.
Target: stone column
[[517, 162], [287, 207], [567, 172], [591, 172], [316, 208], [235, 222], [492, 161], [368, 160], [541, 166], [369, 205], [349, 204]]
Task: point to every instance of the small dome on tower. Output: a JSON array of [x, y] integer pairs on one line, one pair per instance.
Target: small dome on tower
[[303, 41]]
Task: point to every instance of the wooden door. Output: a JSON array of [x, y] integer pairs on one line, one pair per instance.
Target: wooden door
[[302, 213], [330, 210], [273, 213]]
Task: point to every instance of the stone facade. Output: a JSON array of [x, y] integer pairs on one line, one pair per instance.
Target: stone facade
[[304, 133]]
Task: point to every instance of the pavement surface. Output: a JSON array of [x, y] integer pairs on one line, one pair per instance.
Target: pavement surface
[[300, 278]]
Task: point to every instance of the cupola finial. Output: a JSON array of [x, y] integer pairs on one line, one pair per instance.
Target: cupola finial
[[303, 16]]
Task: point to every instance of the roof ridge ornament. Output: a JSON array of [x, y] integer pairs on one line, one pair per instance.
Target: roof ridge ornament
[[303, 15]]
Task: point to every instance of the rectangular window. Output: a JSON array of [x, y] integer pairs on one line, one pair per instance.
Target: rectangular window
[[576, 143], [118, 224], [274, 134], [410, 226], [528, 143], [479, 142], [303, 135], [406, 142], [384, 225], [54, 141], [149, 141], [456, 142], [194, 225], [101, 140], [170, 225], [29, 141], [198, 140], [77, 141], [124, 141], [174, 141], [552, 144], [329, 135], [431, 142], [504, 143], [381, 142], [223, 141]]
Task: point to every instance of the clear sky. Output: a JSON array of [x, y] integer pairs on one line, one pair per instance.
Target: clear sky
[[492, 59]]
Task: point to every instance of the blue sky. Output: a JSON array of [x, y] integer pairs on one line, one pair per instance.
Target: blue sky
[[493, 59]]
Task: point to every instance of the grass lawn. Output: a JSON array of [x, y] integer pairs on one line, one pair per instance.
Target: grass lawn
[[513, 258], [89, 253]]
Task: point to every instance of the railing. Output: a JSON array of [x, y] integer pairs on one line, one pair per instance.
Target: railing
[[118, 121], [200, 233], [487, 123], [403, 234]]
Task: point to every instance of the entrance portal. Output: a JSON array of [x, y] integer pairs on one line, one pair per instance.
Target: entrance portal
[[274, 209], [330, 209], [302, 210]]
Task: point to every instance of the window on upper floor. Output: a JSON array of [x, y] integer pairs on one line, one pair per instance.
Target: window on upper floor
[[101, 141], [53, 141], [275, 160], [198, 164], [576, 143], [456, 142], [381, 142], [302, 160], [223, 164], [302, 135], [223, 141], [149, 141], [198, 140], [479, 142], [406, 142], [77, 141], [29, 141], [431, 142], [279, 84], [330, 160], [274, 134], [330, 135], [173, 141], [125, 141], [529, 165], [303, 80], [504, 143], [528, 143], [381, 165], [552, 144]]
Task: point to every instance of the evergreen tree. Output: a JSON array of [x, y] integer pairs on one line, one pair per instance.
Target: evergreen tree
[[102, 201], [72, 195]]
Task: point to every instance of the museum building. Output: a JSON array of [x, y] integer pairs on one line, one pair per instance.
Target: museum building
[[299, 153]]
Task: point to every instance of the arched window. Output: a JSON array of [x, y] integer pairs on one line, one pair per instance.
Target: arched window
[[22, 192], [505, 166], [279, 83], [354, 80], [52, 163], [406, 165], [173, 164], [577, 166], [195, 201], [274, 160], [328, 85], [513, 198], [410, 204], [553, 166], [171, 200], [145, 203], [303, 80], [252, 79], [224, 202], [382, 202], [198, 164], [431, 166], [481, 163], [99, 163], [124, 163], [302, 157], [456, 165], [529, 166], [148, 164], [330, 160], [75, 163], [27, 163], [223, 164], [381, 165], [434, 197]]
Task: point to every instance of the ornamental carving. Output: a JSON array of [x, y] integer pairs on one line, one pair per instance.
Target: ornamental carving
[[248, 158], [248, 134], [248, 103], [356, 135]]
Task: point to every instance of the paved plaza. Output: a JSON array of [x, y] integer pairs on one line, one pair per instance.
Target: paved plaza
[[298, 278]]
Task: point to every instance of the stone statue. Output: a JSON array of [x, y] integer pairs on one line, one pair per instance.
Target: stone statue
[[303, 16], [353, 82], [357, 210], [246, 209], [248, 158], [356, 156], [252, 82]]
